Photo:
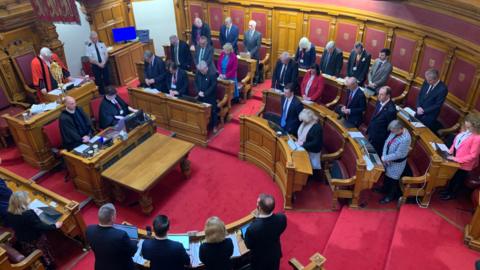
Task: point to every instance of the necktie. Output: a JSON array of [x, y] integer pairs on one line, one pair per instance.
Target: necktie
[[282, 74], [228, 31], [379, 65], [176, 55], [251, 33], [200, 56], [350, 97], [327, 59], [117, 104], [175, 78], [377, 109], [283, 121], [99, 58], [391, 141]]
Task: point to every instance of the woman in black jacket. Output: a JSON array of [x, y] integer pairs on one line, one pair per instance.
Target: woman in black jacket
[[29, 229], [215, 253], [310, 136]]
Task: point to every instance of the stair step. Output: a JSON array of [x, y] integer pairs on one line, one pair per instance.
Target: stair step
[[10, 156]]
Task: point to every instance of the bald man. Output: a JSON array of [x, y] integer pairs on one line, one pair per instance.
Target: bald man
[[98, 55], [75, 125], [263, 235]]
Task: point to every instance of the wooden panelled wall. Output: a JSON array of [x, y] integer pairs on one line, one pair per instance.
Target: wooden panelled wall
[[414, 47]]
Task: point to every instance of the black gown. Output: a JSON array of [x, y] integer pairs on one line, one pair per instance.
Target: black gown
[[73, 127]]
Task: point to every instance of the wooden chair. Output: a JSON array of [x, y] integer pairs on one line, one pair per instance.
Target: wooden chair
[[22, 54], [399, 88], [367, 116], [316, 263], [224, 100], [245, 75], [264, 62], [95, 109], [331, 95], [11, 259], [411, 98], [272, 108], [343, 173], [450, 119], [7, 107], [333, 142]]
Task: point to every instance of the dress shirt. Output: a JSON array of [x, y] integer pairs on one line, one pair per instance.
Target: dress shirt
[[264, 216], [461, 138], [91, 52], [430, 87], [282, 74]]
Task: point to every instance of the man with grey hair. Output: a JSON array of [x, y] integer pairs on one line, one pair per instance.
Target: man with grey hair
[[356, 103], [112, 247], [229, 34], [394, 158], [42, 78], [206, 86], [252, 41], [180, 53], [332, 60], [430, 99], [205, 52], [358, 63], [154, 72], [285, 72], [199, 29], [97, 53]]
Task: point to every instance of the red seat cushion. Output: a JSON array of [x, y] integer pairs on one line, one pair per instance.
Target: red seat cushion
[[329, 94], [368, 113], [24, 63], [449, 115], [13, 255], [95, 108], [397, 84], [411, 100], [242, 69], [273, 105], [419, 160], [52, 131], [332, 138], [220, 91], [216, 43]]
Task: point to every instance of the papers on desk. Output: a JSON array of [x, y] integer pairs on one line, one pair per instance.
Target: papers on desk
[[294, 146], [206, 104], [56, 92], [368, 162], [409, 111], [418, 124], [151, 90], [442, 147], [171, 96], [35, 206], [356, 134], [138, 258], [76, 81], [307, 102], [39, 108], [278, 91]]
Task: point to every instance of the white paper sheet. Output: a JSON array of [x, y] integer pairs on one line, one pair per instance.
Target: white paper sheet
[[418, 124], [151, 90], [55, 92], [409, 111], [356, 134], [137, 258], [443, 147], [368, 162]]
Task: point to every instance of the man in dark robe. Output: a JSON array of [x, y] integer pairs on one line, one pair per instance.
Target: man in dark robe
[[75, 125], [5, 193], [112, 108]]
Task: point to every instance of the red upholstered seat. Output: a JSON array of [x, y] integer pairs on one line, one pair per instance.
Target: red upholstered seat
[[52, 131], [13, 255], [87, 67], [6, 108], [242, 70], [367, 116], [318, 58], [191, 85], [343, 72], [418, 159], [220, 92], [333, 139], [449, 115], [346, 166], [216, 43], [95, 108], [263, 52], [24, 64], [273, 106], [329, 94], [398, 86], [166, 51], [241, 47], [411, 100]]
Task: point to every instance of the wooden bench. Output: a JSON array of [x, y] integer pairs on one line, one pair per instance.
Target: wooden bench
[[11, 259]]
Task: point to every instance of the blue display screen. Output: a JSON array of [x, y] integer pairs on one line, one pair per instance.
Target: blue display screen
[[124, 34]]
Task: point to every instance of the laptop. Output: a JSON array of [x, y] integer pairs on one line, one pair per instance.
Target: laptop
[[244, 228], [131, 231], [49, 215], [184, 239]]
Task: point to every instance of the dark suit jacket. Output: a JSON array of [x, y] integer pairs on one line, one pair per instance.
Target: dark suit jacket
[[359, 69], [184, 54], [263, 240], [314, 141], [232, 37], [431, 103], [182, 82], [253, 44], [378, 127], [112, 248], [5, 193], [357, 106], [208, 84], [216, 256], [108, 111], [290, 75], [292, 121], [28, 227], [70, 130], [335, 63], [307, 59], [165, 254], [207, 57], [158, 72], [204, 31]]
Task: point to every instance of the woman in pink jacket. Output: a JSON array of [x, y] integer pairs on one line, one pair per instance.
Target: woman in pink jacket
[[466, 151], [227, 66]]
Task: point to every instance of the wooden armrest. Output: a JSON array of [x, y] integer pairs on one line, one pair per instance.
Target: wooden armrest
[[5, 237], [246, 80], [445, 131], [34, 257], [266, 59], [332, 156], [400, 98], [409, 180], [295, 264], [222, 102], [335, 101], [21, 104], [343, 182]]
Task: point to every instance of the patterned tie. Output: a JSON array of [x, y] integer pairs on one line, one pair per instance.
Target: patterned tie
[[283, 121], [377, 109]]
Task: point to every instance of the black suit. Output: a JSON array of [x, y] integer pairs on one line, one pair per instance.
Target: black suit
[[112, 248], [158, 72], [73, 127], [289, 75], [378, 128], [28, 227], [208, 85], [108, 111], [431, 103], [314, 141], [232, 37], [357, 106], [202, 31], [165, 254], [181, 84], [216, 256], [304, 58], [184, 57], [292, 122], [263, 240], [332, 64], [359, 69]]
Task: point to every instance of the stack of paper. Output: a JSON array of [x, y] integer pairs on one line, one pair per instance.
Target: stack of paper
[[355, 134], [409, 111], [56, 92], [151, 90], [137, 258], [35, 206], [418, 124], [39, 108]]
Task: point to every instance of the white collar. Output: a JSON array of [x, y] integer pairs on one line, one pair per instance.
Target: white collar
[[264, 216], [161, 238], [105, 226], [72, 112], [435, 85], [383, 104]]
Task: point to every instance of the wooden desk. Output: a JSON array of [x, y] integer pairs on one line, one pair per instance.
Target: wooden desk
[[145, 165], [440, 170], [73, 223], [364, 180], [29, 137], [260, 145], [333, 91], [197, 238], [122, 61], [86, 172], [189, 120]]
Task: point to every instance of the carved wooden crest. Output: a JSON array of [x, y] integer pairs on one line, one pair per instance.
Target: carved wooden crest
[[318, 31], [461, 77], [431, 62], [215, 18], [237, 20], [19, 47], [403, 51], [346, 36], [374, 42]]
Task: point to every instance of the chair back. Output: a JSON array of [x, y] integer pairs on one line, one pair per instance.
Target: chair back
[[329, 93], [87, 66], [95, 108], [4, 101], [419, 159], [221, 91], [22, 54], [191, 85], [52, 132], [216, 43], [273, 105], [242, 69], [411, 100], [167, 52], [369, 112], [333, 139], [349, 159], [263, 51], [449, 115], [343, 72], [397, 84]]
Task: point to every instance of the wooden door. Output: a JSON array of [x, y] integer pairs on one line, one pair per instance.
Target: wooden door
[[287, 31]]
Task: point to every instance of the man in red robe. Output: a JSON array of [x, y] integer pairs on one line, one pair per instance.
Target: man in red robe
[[42, 78]]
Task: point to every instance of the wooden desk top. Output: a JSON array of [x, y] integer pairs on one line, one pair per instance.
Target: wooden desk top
[[148, 162]]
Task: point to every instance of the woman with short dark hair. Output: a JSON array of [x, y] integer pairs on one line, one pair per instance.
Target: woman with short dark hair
[[313, 84]]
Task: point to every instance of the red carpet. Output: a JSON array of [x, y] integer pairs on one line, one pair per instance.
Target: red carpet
[[423, 240], [228, 140], [360, 239], [56, 182]]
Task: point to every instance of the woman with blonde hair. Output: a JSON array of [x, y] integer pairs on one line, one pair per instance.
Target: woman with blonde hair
[[29, 229], [466, 151], [215, 253], [310, 136], [306, 55], [227, 66]]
